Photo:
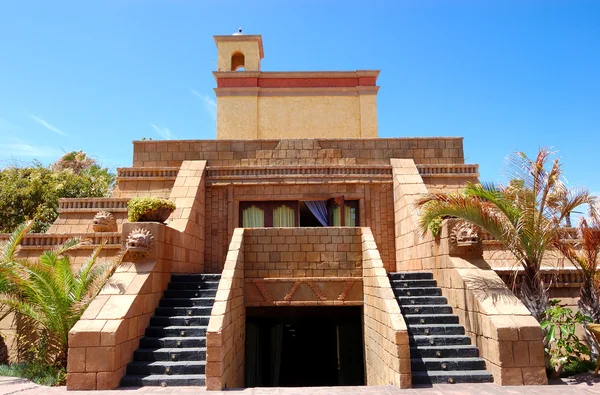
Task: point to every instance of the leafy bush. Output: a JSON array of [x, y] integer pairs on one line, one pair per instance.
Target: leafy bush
[[562, 346], [435, 226], [33, 191], [149, 209], [38, 373]]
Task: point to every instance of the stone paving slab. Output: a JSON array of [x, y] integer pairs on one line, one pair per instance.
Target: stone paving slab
[[585, 385]]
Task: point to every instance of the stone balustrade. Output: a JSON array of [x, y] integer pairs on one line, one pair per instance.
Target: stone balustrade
[[83, 205], [448, 170]]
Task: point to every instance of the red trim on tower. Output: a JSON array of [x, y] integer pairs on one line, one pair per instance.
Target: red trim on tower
[[246, 82]]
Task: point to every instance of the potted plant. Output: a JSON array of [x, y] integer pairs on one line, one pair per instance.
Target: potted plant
[[147, 209]]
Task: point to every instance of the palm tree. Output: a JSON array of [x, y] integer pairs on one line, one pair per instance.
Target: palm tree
[[525, 216], [49, 294], [585, 255]]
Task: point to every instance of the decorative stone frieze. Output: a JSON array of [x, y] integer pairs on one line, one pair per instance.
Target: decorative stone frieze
[[104, 221]]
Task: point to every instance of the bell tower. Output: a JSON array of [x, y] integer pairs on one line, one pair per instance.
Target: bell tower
[[239, 52]]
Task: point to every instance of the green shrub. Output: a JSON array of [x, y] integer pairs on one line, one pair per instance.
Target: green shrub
[[435, 226], [38, 373], [562, 346], [149, 209]]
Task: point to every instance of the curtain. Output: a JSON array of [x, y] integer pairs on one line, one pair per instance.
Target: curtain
[[276, 351], [319, 209], [349, 216], [337, 219], [284, 217], [253, 363], [253, 217]]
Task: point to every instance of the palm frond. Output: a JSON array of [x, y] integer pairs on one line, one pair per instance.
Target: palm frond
[[10, 246]]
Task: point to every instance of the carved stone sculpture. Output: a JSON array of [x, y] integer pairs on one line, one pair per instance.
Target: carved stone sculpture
[[465, 234], [139, 242], [104, 222]]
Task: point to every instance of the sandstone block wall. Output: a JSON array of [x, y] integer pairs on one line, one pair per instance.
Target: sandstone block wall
[[435, 150], [226, 334], [387, 352], [303, 266], [303, 252]]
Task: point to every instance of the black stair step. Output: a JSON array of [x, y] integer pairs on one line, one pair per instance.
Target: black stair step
[[426, 291], [447, 364], [411, 276], [175, 331], [190, 286], [413, 283], [412, 300], [423, 319], [170, 354], [172, 342], [186, 302], [192, 293], [160, 380], [410, 309], [436, 329], [166, 367], [439, 340], [453, 351], [180, 321], [442, 377], [182, 311], [195, 277]]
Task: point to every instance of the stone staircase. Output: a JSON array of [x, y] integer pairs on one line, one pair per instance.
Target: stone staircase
[[173, 350], [439, 350]]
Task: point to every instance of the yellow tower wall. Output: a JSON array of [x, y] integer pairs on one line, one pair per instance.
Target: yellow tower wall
[[250, 113]]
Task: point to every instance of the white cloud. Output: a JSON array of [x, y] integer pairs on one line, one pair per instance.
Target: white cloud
[[47, 125], [16, 148], [165, 132], [209, 104]]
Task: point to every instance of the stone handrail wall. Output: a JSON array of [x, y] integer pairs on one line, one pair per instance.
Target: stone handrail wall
[[225, 337], [387, 352], [508, 337], [103, 341]]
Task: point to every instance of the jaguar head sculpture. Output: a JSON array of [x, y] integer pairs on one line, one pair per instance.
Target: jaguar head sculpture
[[104, 221]]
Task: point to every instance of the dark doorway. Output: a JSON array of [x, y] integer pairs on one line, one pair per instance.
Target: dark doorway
[[304, 346]]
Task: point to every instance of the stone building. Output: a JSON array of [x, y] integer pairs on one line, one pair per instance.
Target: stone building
[[293, 257]]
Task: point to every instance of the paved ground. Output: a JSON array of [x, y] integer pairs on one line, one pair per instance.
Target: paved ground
[[582, 386]]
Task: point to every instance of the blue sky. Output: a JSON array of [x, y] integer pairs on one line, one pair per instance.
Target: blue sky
[[505, 75]]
